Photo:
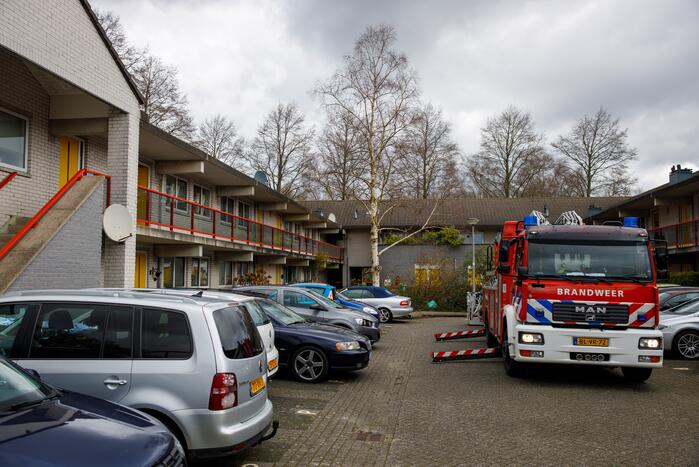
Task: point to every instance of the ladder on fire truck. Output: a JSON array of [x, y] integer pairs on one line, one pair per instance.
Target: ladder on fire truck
[[566, 218]]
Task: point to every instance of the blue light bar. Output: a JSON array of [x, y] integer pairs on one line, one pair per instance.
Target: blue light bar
[[530, 220], [630, 221]]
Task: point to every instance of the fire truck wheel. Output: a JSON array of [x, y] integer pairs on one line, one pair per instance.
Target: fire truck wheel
[[637, 375], [491, 341], [512, 368]]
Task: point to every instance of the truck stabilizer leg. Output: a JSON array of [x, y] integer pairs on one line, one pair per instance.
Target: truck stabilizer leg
[[469, 354], [448, 336]]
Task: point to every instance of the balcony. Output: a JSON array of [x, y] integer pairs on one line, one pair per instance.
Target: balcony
[[682, 235], [163, 211]]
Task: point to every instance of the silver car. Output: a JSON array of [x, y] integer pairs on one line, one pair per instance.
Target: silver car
[[315, 307], [680, 327], [389, 305], [195, 364]]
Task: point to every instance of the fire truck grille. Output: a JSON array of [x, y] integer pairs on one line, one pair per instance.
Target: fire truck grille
[[583, 312]]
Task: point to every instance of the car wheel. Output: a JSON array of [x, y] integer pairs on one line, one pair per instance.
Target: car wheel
[[636, 375], [686, 345], [309, 364], [385, 315], [512, 368]]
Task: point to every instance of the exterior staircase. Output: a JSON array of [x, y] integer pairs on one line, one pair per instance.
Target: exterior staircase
[[11, 227]]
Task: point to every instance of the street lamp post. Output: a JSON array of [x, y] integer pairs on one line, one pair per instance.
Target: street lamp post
[[472, 221]]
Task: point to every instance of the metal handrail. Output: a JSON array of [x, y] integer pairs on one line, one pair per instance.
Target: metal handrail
[[7, 179], [59, 194], [297, 240], [678, 230]]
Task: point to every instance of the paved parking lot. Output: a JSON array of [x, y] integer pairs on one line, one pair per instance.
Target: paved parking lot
[[404, 410]]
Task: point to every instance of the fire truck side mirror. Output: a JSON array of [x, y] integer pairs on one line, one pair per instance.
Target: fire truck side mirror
[[522, 272], [660, 257], [504, 268]]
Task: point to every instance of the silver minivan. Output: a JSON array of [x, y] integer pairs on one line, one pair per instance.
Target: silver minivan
[[196, 364]]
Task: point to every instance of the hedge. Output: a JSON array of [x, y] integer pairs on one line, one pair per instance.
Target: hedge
[[684, 278]]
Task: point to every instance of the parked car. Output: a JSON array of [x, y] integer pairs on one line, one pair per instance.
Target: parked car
[[262, 322], [389, 305], [331, 292], [311, 350], [680, 327], [41, 425], [315, 307], [673, 296], [195, 364]]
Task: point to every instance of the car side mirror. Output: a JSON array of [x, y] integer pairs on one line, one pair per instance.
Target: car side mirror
[[33, 372], [522, 272], [504, 268], [318, 307], [660, 257]]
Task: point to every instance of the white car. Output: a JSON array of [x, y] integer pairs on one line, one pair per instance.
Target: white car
[[680, 327], [389, 305]]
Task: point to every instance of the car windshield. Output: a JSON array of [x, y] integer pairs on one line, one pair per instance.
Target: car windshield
[[616, 260], [18, 388], [684, 309], [325, 301], [280, 313], [341, 296]]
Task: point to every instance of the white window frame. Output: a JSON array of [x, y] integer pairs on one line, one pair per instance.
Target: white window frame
[[229, 202], [203, 213], [24, 169], [173, 259], [176, 202], [243, 223], [208, 269]]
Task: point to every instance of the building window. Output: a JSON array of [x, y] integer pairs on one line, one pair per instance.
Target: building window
[[13, 140], [172, 272], [200, 272], [230, 271], [244, 210], [177, 187], [227, 205], [202, 196], [427, 275]]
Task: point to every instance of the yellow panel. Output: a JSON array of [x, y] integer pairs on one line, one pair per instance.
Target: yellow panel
[[140, 275], [278, 275], [69, 159], [143, 175]]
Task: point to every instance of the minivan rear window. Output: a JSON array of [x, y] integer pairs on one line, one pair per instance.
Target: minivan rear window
[[238, 334]]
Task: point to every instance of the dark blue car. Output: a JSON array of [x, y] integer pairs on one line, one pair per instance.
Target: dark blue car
[[41, 426], [331, 292], [311, 350]]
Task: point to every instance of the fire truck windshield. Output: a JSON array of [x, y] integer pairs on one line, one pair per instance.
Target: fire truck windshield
[[616, 260]]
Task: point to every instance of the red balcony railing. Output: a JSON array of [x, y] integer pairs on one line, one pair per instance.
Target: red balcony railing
[[158, 209], [682, 235]]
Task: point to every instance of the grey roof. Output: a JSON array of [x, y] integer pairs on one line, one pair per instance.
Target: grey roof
[[491, 212]]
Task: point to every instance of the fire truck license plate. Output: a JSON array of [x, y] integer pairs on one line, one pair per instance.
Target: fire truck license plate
[[591, 341], [257, 385]]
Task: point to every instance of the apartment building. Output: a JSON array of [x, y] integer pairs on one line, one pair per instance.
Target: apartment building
[[73, 142], [670, 212]]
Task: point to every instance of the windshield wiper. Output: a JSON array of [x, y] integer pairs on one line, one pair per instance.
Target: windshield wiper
[[23, 405]]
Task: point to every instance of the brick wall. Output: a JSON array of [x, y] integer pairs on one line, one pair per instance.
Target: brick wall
[[72, 258]]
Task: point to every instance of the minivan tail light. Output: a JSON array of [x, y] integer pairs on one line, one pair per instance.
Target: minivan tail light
[[224, 392], [405, 303]]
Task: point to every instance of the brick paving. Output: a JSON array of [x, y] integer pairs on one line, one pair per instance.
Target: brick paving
[[404, 410]]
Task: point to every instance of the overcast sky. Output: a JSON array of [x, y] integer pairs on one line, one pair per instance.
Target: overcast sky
[[558, 60]]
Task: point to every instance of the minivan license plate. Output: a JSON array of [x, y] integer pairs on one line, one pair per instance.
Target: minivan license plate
[[591, 341], [257, 385]]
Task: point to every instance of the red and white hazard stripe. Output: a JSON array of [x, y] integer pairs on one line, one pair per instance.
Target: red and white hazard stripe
[[462, 353], [453, 335]]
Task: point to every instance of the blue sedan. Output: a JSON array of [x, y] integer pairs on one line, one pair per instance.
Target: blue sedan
[[311, 350], [331, 292], [41, 425]]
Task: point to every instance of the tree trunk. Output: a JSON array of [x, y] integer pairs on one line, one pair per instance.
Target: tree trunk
[[374, 243]]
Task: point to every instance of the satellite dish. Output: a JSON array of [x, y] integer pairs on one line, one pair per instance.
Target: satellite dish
[[117, 223], [261, 177], [331, 217]]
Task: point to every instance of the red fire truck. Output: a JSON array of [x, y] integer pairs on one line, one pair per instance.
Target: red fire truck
[[570, 293]]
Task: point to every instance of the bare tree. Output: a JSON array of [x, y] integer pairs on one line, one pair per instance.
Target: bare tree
[[339, 150], [511, 155], [111, 24], [282, 148], [428, 162], [164, 104], [218, 138], [597, 152], [376, 89]]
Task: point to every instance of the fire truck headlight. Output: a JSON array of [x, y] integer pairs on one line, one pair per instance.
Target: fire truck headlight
[[531, 338], [651, 343]]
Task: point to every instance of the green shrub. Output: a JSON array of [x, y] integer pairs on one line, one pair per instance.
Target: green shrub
[[684, 278]]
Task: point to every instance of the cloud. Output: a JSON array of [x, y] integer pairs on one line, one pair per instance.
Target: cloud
[[559, 60]]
